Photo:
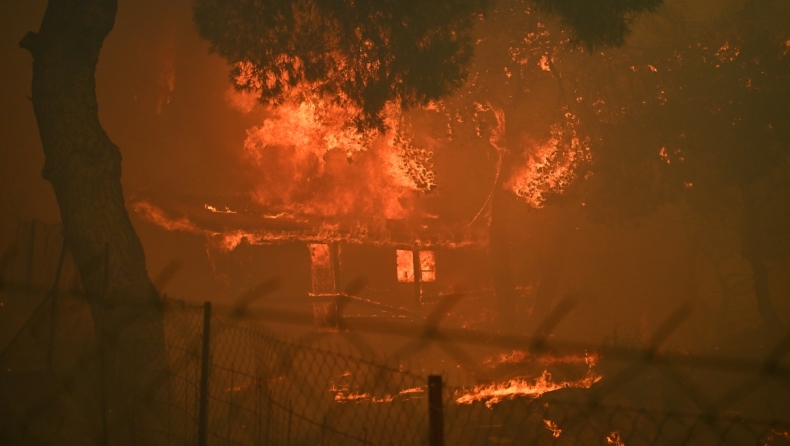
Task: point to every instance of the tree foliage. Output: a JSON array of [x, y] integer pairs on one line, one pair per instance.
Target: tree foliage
[[366, 53], [598, 23]]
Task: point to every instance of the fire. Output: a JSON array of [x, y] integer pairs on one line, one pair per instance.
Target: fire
[[553, 165], [310, 158], [342, 395], [523, 357], [406, 264], [321, 232], [211, 208], [157, 216], [552, 426], [494, 393], [614, 439]]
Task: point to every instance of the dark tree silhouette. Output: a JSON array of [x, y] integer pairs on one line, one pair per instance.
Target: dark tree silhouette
[[84, 167], [694, 120], [598, 23], [366, 53]]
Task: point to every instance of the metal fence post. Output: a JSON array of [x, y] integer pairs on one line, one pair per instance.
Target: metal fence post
[[435, 411], [205, 362]]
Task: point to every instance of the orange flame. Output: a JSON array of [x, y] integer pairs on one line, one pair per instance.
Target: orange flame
[[523, 357], [310, 159], [494, 393], [614, 439], [552, 166], [552, 426]]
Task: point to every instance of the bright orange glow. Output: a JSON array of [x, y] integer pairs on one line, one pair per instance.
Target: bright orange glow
[[343, 395], [211, 208], [321, 267], [157, 216], [405, 262], [614, 439], [524, 357], [552, 165], [320, 232], [427, 266], [521, 387], [552, 426], [405, 259], [311, 160]]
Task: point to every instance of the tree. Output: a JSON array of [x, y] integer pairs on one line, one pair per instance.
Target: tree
[[84, 168], [692, 119], [362, 53]]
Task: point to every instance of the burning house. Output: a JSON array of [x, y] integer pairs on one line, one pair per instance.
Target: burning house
[[406, 265]]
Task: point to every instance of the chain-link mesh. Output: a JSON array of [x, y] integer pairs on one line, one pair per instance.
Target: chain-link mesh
[[268, 389]]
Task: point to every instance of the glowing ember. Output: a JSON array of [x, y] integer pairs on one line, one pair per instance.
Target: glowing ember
[[614, 439], [342, 395], [494, 393], [552, 426], [524, 357], [211, 208], [319, 232]]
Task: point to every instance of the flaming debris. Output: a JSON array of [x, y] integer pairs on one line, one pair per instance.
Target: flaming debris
[[524, 357], [211, 208], [343, 395], [552, 426], [494, 393], [614, 439]]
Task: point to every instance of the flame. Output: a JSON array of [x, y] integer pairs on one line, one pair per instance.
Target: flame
[[321, 232], [213, 209], [553, 165], [157, 216], [614, 439], [552, 426], [405, 262], [524, 357], [310, 158], [494, 393], [544, 63], [343, 396]]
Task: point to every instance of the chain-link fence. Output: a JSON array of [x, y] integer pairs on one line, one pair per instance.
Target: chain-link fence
[[232, 381]]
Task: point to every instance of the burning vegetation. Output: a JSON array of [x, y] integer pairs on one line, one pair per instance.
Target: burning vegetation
[[413, 180]]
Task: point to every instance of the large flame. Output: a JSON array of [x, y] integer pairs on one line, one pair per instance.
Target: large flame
[[309, 158]]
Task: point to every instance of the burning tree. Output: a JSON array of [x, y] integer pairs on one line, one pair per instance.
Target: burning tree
[[362, 55]]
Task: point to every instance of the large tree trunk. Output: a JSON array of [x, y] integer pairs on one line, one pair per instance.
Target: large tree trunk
[[752, 245], [84, 168]]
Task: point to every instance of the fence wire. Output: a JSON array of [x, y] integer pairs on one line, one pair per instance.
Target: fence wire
[[266, 388]]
